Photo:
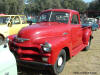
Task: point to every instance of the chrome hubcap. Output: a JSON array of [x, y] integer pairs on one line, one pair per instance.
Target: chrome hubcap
[[60, 61]]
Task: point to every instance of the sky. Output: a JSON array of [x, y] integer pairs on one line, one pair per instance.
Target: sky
[[87, 1]]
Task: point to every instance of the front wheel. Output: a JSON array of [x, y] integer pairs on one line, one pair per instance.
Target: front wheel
[[60, 63]]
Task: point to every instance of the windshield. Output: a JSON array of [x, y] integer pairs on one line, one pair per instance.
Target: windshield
[[62, 17], [4, 20]]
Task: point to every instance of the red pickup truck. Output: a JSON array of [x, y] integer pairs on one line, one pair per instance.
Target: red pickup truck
[[56, 37]]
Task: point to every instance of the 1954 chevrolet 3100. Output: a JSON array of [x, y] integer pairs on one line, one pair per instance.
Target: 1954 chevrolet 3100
[[57, 36]]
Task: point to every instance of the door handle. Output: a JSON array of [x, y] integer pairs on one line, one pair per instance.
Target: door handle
[[65, 33]]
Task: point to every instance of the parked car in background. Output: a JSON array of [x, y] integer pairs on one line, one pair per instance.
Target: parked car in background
[[11, 24], [90, 22], [2, 14], [8, 64], [98, 20], [32, 19]]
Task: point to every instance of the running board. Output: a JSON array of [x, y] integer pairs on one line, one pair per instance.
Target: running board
[[78, 49]]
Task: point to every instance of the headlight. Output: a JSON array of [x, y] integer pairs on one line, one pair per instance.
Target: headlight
[[46, 47]]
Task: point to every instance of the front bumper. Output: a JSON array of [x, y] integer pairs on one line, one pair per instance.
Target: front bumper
[[33, 65]]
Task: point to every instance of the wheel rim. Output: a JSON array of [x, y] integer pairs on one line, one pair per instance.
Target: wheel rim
[[60, 61], [1, 40]]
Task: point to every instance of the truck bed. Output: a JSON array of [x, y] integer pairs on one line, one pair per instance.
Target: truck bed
[[93, 26]]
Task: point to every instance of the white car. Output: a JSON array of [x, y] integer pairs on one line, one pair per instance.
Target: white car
[[7, 61]]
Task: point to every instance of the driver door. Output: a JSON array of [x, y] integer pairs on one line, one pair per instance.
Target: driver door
[[76, 31]]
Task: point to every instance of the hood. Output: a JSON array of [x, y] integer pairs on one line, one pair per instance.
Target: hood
[[43, 30]]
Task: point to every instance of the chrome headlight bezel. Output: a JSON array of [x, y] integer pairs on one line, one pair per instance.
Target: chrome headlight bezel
[[46, 47]]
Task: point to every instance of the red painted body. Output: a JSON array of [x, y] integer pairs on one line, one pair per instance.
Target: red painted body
[[75, 40]]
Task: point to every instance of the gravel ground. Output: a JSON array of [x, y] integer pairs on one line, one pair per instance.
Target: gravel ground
[[84, 63]]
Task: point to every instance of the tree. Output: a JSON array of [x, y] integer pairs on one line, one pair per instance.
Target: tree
[[36, 6], [78, 5], [20, 6], [4, 6], [40, 5], [11, 6], [94, 5]]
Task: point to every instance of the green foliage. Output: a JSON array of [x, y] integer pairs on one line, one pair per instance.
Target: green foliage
[[36, 6], [95, 5], [12, 6], [39, 5]]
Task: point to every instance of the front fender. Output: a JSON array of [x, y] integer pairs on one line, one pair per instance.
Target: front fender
[[58, 43]]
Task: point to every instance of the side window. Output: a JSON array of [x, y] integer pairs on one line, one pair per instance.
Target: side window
[[75, 19], [23, 19], [16, 20], [62, 17], [44, 17]]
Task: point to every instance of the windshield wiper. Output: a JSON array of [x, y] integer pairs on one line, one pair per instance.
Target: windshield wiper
[[55, 21], [44, 21]]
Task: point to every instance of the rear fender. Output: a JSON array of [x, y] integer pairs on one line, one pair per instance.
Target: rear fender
[[87, 33]]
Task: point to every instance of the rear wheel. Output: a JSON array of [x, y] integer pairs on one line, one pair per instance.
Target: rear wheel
[[60, 63], [88, 46]]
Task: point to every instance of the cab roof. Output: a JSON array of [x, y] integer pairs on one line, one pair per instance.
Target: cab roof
[[62, 10]]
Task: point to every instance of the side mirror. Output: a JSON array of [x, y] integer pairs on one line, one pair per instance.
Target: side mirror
[[29, 22]]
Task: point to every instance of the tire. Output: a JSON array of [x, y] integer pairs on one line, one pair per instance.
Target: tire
[[1, 40], [60, 63], [88, 47]]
